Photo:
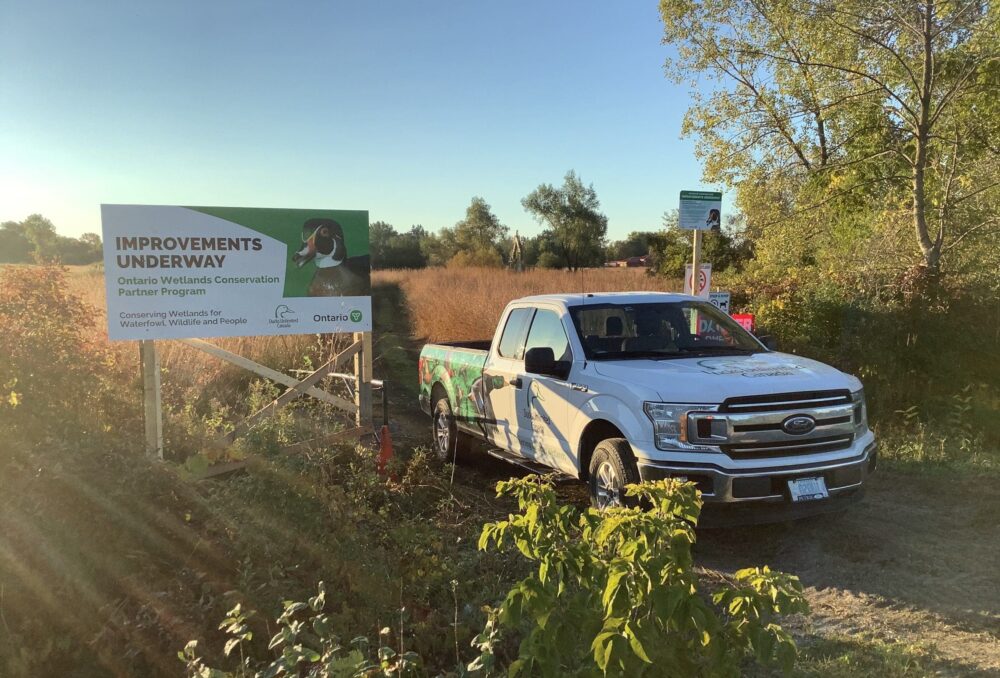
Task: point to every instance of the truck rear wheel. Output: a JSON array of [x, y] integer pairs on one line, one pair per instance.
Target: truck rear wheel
[[443, 430], [612, 467]]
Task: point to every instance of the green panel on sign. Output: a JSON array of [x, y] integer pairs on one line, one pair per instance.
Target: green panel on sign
[[711, 196], [286, 225]]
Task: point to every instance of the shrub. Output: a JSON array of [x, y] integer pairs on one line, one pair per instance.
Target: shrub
[[53, 376], [305, 645], [937, 359], [616, 592]]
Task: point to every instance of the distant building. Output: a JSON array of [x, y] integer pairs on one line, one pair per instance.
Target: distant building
[[644, 261]]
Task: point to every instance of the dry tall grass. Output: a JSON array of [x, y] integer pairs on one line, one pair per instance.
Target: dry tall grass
[[457, 304]]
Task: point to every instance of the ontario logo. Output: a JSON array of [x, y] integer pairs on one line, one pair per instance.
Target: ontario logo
[[284, 316], [354, 316]]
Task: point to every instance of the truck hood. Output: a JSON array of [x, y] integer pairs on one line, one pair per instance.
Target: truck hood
[[713, 379]]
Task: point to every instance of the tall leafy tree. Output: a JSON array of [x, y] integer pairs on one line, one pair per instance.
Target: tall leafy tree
[[577, 229], [846, 103], [391, 249], [15, 247], [380, 235], [480, 230], [35, 239]]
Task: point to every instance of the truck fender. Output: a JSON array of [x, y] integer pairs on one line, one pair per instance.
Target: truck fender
[[441, 376], [634, 426]]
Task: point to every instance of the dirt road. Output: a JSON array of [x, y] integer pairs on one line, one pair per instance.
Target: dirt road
[[917, 561]]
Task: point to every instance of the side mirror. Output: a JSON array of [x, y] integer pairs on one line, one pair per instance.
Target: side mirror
[[541, 360], [769, 343]]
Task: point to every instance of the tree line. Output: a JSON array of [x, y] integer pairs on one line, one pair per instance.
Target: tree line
[[35, 240], [574, 236]]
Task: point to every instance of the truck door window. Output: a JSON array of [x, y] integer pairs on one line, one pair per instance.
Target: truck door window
[[547, 330], [512, 339]]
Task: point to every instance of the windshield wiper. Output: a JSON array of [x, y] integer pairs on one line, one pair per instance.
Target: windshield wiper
[[633, 355], [718, 349]]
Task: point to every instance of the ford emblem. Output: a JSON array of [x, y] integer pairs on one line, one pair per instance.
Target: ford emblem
[[798, 425]]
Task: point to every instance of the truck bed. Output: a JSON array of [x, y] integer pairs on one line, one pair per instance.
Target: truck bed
[[458, 368], [477, 345]]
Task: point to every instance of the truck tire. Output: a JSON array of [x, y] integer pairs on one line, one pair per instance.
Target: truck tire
[[612, 467], [444, 432]]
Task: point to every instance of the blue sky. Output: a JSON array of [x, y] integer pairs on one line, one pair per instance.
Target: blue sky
[[404, 109]]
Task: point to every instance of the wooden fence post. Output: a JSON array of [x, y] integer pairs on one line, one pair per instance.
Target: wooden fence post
[[363, 372], [152, 411]]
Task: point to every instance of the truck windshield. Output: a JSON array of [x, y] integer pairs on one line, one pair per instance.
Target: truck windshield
[[680, 329]]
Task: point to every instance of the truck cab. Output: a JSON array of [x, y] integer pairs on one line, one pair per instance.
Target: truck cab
[[614, 388]]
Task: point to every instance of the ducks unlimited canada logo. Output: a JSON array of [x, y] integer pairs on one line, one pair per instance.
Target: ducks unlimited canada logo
[[284, 316]]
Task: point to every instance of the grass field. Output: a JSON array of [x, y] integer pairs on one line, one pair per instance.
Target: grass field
[[458, 304]]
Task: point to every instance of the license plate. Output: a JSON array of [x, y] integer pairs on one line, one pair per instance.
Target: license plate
[[808, 489]]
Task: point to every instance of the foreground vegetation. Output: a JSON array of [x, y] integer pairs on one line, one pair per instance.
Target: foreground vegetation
[[145, 556], [614, 593], [111, 564]]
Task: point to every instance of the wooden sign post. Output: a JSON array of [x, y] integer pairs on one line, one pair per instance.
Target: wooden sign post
[[363, 375], [152, 405]]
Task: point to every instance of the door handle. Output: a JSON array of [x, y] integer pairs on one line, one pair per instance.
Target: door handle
[[515, 382]]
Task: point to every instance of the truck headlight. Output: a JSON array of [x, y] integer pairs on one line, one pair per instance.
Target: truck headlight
[[860, 412], [670, 425]]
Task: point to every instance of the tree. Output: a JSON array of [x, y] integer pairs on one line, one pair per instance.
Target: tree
[[41, 233], [14, 244], [636, 244], [576, 226], [438, 248], [405, 249], [481, 229], [477, 240], [379, 235], [847, 103], [35, 240], [390, 249], [671, 247]]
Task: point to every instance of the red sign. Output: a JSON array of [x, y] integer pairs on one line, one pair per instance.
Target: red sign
[[745, 320]]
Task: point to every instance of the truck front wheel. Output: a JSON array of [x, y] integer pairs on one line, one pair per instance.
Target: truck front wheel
[[611, 469]]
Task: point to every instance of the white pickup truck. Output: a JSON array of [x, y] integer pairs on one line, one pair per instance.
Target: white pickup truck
[[614, 388]]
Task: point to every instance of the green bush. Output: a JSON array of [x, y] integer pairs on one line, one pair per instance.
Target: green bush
[[57, 384], [304, 645], [616, 592], [612, 593]]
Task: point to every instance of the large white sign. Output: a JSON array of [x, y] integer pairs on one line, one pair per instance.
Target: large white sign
[[181, 272], [700, 210], [704, 280]]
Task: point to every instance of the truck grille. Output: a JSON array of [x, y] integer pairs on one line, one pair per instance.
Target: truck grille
[[786, 401], [780, 449], [754, 427]]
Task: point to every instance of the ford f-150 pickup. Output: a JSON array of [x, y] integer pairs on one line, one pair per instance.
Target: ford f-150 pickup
[[614, 388]]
